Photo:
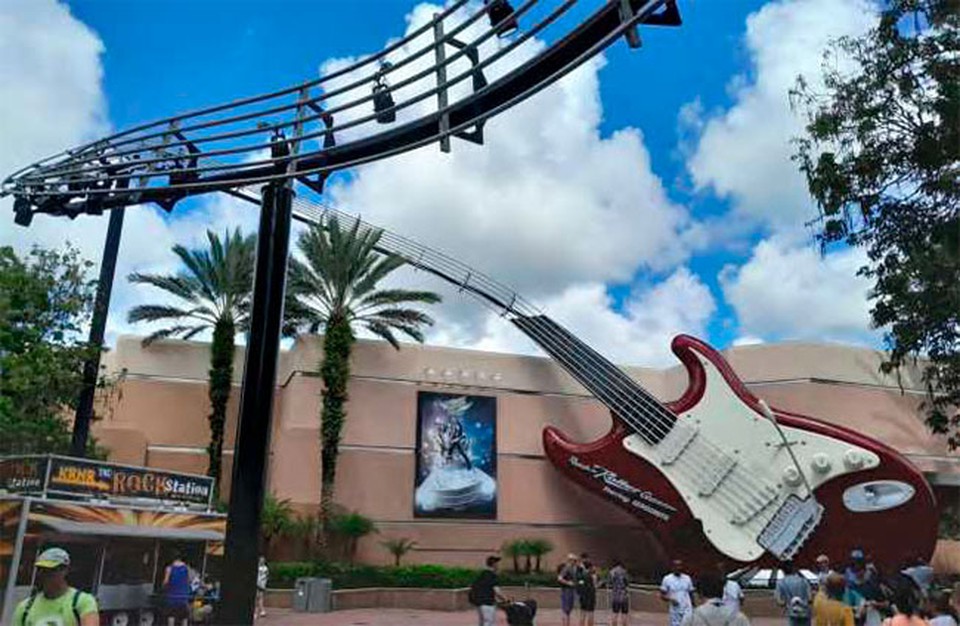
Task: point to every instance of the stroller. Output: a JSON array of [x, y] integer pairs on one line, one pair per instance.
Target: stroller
[[520, 613]]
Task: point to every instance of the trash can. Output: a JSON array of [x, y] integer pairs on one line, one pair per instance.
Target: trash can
[[301, 594], [319, 597], [312, 595]]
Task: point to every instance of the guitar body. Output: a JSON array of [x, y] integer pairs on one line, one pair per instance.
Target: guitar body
[[872, 497]]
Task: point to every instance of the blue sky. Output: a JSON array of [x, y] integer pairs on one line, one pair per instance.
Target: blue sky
[[699, 117]]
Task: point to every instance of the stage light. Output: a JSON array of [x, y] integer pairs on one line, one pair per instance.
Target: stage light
[[501, 17], [382, 98], [22, 215]]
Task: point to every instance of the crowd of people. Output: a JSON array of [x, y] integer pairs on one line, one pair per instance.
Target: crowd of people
[[859, 594]]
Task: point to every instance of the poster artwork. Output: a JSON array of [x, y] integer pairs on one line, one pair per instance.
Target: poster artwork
[[456, 456]]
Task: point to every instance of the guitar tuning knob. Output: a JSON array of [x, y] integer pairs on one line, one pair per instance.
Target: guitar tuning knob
[[820, 463], [792, 477], [853, 459]]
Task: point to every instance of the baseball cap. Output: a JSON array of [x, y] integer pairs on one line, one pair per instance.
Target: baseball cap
[[823, 558], [856, 554], [52, 558]]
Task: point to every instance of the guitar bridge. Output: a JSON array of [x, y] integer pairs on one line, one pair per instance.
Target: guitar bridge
[[790, 527]]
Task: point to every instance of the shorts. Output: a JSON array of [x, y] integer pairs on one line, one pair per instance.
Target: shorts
[[620, 605], [588, 601], [567, 596], [177, 611]]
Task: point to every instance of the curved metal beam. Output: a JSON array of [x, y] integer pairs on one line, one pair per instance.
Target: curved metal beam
[[202, 151]]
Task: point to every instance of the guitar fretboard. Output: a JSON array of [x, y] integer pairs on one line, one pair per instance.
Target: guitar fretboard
[[627, 400]]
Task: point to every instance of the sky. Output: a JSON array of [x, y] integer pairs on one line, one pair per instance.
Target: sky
[[649, 193]]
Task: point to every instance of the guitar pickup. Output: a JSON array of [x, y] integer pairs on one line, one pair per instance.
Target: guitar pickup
[[677, 440], [752, 504], [714, 474], [790, 527]]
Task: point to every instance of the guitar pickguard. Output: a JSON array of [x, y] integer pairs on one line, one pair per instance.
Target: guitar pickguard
[[732, 454]]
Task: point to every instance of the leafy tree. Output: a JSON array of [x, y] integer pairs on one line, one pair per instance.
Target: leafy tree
[[335, 289], [352, 527], [276, 518], [881, 154], [214, 287], [398, 548], [46, 299]]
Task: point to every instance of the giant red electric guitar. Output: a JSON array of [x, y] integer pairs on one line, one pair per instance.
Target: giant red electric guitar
[[715, 475]]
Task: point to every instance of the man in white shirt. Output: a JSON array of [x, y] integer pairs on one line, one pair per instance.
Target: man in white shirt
[[732, 595], [713, 611], [677, 590]]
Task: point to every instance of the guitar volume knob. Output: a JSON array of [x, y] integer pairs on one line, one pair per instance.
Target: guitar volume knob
[[792, 477], [853, 459], [820, 463]]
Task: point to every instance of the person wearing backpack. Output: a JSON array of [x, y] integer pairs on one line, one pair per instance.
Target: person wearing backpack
[[829, 608], [906, 611], [713, 611], [484, 593], [56, 603], [793, 595]]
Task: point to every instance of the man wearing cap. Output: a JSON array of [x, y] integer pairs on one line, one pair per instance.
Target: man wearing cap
[[485, 593], [823, 570], [57, 603]]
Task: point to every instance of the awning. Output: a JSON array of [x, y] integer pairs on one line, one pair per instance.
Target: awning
[[69, 527]]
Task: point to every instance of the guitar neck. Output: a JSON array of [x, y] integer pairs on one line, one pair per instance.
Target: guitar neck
[[629, 403]]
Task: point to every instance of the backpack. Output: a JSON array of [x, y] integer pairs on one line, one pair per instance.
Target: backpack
[[73, 605]]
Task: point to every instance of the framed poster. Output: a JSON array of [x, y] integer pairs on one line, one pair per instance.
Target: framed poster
[[456, 456]]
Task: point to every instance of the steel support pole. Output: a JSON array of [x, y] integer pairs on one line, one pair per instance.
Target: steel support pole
[[256, 407], [101, 306]]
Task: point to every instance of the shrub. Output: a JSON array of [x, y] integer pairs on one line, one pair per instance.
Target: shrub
[[345, 576]]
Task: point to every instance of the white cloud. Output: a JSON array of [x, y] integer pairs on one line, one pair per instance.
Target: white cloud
[[640, 334], [544, 203], [788, 291], [744, 152]]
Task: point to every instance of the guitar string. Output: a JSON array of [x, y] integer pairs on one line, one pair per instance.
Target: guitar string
[[632, 386], [690, 464]]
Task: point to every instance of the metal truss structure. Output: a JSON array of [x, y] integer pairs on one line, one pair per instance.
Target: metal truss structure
[[441, 82]]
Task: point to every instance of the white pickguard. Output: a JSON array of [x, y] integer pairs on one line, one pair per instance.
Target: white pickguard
[[726, 424]]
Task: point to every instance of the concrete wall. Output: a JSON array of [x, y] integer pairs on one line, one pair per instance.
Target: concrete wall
[[161, 420]]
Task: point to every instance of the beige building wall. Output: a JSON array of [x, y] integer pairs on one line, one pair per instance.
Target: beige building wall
[[161, 420]]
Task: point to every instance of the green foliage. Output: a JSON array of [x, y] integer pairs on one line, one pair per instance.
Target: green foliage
[[515, 549], [351, 527], [345, 576], [532, 550], [538, 548], [46, 299], [276, 518], [215, 286], [335, 289], [881, 155], [398, 547]]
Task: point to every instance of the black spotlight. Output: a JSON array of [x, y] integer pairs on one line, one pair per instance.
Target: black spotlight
[[382, 98], [501, 17], [22, 215]]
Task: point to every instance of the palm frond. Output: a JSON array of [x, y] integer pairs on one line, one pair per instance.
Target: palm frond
[[186, 331], [155, 312], [386, 297], [176, 285]]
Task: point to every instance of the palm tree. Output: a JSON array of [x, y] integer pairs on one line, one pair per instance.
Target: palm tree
[[514, 549], [398, 548], [352, 527], [214, 286], [276, 518], [538, 548], [335, 289]]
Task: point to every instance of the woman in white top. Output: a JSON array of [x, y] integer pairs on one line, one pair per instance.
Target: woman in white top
[[263, 573], [943, 611]]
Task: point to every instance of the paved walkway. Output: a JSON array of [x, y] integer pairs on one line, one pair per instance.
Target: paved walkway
[[408, 617]]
